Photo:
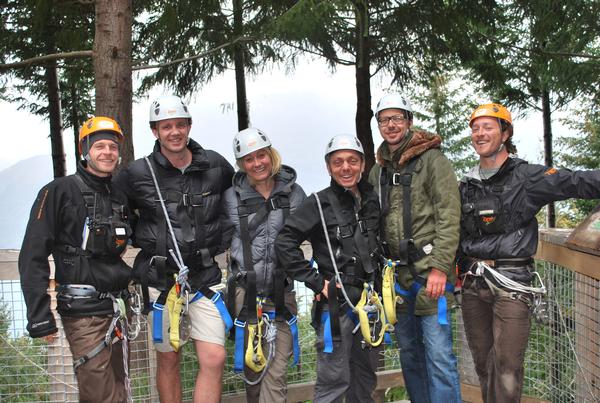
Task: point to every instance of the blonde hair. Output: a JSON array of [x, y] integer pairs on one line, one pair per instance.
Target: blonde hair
[[275, 161]]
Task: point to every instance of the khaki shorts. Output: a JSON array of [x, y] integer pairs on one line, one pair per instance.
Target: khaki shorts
[[207, 324]]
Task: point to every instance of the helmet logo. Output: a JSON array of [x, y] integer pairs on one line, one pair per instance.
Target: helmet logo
[[251, 143]]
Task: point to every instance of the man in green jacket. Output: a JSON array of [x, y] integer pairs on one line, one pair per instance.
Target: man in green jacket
[[417, 185]]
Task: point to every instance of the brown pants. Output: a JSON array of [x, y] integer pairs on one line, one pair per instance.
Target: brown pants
[[273, 387], [497, 329], [101, 379]]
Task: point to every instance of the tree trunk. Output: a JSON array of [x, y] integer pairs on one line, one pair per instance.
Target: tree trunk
[[76, 121], [238, 62], [548, 158], [112, 66], [363, 85], [56, 140]]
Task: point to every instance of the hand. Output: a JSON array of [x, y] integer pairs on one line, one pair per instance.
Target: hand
[[325, 290], [436, 283], [50, 338]]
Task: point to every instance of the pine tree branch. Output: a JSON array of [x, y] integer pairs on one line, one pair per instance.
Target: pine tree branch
[[88, 53], [198, 56], [80, 54]]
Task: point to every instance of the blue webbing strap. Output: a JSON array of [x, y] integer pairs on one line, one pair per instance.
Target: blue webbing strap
[[327, 337], [293, 324], [442, 302], [238, 356], [157, 316], [217, 299]]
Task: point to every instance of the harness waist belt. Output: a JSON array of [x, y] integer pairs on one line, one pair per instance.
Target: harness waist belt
[[507, 262], [84, 291]]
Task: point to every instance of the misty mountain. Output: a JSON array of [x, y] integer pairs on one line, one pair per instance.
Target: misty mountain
[[19, 185]]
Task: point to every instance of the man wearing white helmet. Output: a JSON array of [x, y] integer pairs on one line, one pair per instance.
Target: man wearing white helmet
[[420, 209], [348, 210], [177, 191]]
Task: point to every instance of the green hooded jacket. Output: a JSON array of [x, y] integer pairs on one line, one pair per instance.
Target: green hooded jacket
[[435, 210]]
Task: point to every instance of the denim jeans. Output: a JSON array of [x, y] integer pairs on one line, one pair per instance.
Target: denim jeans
[[428, 363]]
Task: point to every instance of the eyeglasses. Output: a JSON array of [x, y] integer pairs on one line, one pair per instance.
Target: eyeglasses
[[395, 119]]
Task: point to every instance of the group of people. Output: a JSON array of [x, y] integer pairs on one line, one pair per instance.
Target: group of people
[[388, 247]]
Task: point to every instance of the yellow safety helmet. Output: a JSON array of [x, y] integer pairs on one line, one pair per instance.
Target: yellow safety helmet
[[99, 124], [492, 110]]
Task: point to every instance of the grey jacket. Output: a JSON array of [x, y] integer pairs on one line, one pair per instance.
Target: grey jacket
[[264, 232]]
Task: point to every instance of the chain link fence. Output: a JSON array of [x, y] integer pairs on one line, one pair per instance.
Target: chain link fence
[[562, 362]]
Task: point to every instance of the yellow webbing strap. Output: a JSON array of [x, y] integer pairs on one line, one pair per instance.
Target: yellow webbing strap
[[254, 357], [175, 306], [363, 316], [389, 293]]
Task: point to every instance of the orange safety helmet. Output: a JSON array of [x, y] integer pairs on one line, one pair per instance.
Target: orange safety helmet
[[492, 110], [99, 124]]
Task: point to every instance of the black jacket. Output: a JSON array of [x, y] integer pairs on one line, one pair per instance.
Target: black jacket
[[305, 224], [193, 202], [57, 221], [516, 193]]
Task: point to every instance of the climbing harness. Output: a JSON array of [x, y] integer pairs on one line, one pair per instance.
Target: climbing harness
[[498, 283], [369, 310], [178, 296], [409, 253], [388, 291], [119, 327], [252, 317]]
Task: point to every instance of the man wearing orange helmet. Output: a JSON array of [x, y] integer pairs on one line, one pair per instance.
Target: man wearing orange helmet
[[499, 233], [82, 221]]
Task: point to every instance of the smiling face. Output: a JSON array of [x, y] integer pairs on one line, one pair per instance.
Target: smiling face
[[257, 165], [487, 139], [346, 167], [103, 157], [173, 135], [393, 125]]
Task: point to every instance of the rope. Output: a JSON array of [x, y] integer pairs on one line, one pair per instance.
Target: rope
[[178, 259], [338, 278], [509, 283], [270, 336]]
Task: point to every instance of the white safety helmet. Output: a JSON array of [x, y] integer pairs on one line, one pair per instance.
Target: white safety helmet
[[343, 142], [249, 140], [168, 107], [393, 101]]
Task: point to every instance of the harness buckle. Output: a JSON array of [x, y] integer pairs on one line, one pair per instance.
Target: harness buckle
[[272, 205], [396, 179], [362, 225], [188, 200]]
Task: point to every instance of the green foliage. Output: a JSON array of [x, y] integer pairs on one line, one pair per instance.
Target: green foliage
[[444, 107], [529, 48], [21, 361], [582, 151], [34, 28], [172, 30]]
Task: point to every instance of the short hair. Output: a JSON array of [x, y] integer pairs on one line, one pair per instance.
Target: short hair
[[275, 161]]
